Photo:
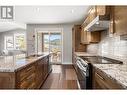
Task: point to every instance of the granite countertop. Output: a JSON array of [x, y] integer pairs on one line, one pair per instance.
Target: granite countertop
[[85, 54], [117, 72], [13, 63]]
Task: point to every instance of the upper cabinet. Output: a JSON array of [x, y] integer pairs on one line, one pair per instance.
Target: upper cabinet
[[120, 20], [90, 37], [92, 14], [102, 10], [76, 39]]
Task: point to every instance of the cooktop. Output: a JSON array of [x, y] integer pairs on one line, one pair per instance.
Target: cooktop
[[100, 60]]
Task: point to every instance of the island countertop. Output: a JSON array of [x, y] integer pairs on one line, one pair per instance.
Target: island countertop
[[13, 63]]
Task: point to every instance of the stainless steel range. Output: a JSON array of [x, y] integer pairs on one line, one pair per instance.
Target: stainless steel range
[[84, 71]]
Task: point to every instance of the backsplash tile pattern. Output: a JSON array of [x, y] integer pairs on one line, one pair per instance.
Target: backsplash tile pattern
[[112, 47]]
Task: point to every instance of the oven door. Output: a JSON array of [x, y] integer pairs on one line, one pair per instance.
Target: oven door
[[82, 74]]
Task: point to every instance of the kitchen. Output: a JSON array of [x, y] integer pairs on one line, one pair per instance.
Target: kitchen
[[93, 50]]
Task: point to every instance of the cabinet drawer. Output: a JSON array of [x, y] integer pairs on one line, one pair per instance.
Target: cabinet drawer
[[105, 82], [24, 73], [27, 82]]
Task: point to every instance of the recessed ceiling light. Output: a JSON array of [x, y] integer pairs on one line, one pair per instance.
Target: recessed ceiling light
[[72, 11], [38, 9]]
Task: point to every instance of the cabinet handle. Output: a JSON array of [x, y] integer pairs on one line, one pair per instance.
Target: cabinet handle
[[100, 76], [29, 69]]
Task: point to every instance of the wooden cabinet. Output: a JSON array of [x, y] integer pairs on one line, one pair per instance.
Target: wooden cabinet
[[76, 39], [84, 37], [102, 10], [93, 37], [7, 80], [32, 76], [90, 37], [92, 14], [29, 77], [26, 77], [120, 20], [102, 81]]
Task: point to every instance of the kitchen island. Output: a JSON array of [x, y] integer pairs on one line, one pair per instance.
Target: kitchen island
[[21, 72]]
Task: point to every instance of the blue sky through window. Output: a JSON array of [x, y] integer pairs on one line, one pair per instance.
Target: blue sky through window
[[53, 37]]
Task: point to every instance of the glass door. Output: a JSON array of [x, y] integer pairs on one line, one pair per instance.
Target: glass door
[[55, 47], [51, 42]]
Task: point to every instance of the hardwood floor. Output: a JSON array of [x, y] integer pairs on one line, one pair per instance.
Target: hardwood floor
[[61, 77]]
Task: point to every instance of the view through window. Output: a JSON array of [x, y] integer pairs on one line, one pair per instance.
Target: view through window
[[16, 41]]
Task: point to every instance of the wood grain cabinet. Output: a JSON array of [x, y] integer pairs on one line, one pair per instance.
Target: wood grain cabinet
[[120, 20], [102, 10], [31, 76], [92, 14], [94, 37], [7, 80], [26, 77], [102, 81], [76, 39], [90, 37]]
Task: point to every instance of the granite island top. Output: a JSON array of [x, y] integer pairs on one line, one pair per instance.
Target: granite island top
[[13, 63], [117, 72]]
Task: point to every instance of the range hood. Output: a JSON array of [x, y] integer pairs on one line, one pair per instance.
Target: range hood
[[98, 24]]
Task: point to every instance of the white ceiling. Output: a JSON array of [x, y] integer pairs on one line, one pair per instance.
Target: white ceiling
[[44, 15], [50, 14], [11, 25]]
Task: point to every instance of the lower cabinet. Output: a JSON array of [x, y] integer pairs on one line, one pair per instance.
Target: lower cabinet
[[33, 76], [25, 78], [102, 81]]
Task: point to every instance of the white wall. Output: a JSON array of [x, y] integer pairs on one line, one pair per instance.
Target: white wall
[[67, 39]]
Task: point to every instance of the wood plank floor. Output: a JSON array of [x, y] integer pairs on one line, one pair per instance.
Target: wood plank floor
[[61, 77]]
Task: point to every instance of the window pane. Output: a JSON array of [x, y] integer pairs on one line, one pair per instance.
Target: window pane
[[9, 42], [20, 42]]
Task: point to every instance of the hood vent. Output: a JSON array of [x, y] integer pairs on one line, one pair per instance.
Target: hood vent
[[98, 24]]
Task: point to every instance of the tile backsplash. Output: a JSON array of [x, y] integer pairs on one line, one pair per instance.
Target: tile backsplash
[[112, 47]]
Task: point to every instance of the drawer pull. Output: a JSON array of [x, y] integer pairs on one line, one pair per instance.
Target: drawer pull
[[100, 76], [29, 69]]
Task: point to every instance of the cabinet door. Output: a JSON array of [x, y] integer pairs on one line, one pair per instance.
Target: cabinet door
[[85, 40], [100, 10], [39, 74], [94, 37], [102, 81], [120, 13], [7, 80], [111, 25], [92, 14]]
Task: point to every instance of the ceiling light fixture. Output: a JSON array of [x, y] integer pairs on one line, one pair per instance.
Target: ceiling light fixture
[[72, 11], [38, 9]]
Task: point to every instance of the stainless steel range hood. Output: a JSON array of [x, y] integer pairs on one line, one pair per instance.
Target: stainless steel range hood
[[98, 24]]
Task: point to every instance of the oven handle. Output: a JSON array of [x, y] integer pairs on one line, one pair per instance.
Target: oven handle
[[81, 67], [83, 71]]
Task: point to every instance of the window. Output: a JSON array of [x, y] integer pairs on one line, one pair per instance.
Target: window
[[19, 42], [16, 42], [9, 43]]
